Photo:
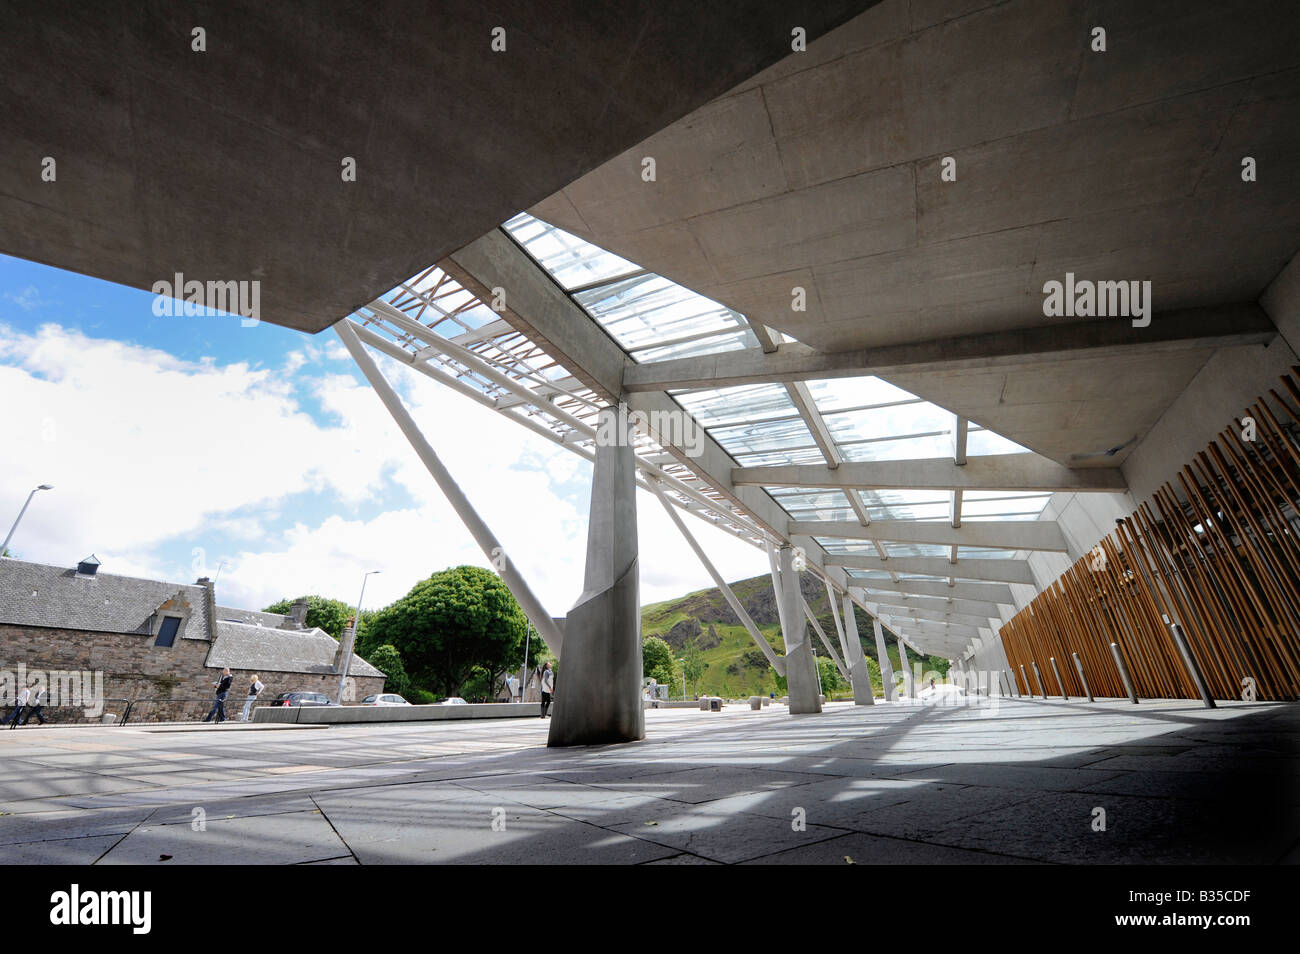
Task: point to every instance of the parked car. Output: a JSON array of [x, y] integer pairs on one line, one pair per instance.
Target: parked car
[[384, 699], [454, 701], [300, 698]]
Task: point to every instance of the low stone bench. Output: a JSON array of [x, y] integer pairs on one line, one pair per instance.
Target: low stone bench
[[756, 702]]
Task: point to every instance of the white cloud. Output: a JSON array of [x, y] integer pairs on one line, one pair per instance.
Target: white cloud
[[146, 450]]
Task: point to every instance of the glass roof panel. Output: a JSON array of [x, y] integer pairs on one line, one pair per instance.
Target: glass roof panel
[[837, 394], [979, 442], [570, 261], [748, 404], [907, 448]]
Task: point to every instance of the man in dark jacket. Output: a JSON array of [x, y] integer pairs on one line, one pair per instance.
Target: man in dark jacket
[[223, 689]]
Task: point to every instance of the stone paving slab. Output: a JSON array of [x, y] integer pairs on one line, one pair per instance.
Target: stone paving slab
[[860, 849], [723, 836], [281, 839], [892, 784]]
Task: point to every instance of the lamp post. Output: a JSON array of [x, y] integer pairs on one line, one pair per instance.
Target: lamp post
[[5, 547], [347, 650]]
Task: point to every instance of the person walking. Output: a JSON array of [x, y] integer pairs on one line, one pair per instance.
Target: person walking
[[548, 687], [19, 704], [223, 689], [35, 704], [254, 688]]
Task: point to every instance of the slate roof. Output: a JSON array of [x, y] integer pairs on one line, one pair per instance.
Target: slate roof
[[256, 617], [36, 594], [266, 649]]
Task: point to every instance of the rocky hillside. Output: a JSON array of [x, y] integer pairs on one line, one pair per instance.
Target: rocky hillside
[[734, 665]]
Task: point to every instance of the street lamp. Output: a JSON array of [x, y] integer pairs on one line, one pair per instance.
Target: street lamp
[[347, 650], [5, 547]]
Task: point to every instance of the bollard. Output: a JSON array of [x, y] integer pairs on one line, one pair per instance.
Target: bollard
[[1078, 664], [755, 702], [1038, 678], [1025, 676], [1123, 672], [1059, 684], [1193, 669]]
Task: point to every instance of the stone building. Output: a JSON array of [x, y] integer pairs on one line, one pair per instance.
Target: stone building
[[159, 646]]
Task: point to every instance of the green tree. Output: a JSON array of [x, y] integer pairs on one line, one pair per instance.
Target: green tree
[[388, 660], [322, 612], [657, 660], [693, 664], [451, 623], [832, 681]]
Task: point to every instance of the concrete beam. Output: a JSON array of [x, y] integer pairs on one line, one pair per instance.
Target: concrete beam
[[997, 571], [965, 633], [1028, 472], [991, 592], [982, 609], [1003, 534], [1193, 328], [903, 610]]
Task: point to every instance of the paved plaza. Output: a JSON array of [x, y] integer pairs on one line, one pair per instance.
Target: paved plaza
[[1015, 782]]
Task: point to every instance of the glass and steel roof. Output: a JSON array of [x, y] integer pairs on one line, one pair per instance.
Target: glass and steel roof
[[451, 335]]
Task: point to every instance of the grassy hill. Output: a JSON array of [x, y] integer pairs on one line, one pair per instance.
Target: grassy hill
[[735, 666]]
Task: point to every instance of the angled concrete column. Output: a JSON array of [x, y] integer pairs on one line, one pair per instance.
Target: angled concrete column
[[598, 687], [908, 679], [800, 671], [886, 670], [863, 695]]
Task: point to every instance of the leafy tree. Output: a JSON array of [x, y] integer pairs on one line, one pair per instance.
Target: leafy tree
[[693, 664], [938, 664], [832, 681], [451, 623], [657, 660], [322, 612], [877, 679], [388, 660]]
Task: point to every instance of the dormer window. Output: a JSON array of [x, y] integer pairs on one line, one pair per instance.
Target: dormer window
[[167, 631], [88, 566]]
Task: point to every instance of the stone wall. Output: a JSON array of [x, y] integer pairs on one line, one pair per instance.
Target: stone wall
[[133, 669]]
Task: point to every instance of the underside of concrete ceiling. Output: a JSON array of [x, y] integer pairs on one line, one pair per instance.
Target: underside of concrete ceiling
[[227, 164], [825, 172]]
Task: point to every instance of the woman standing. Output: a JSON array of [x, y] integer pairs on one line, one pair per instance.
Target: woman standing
[[548, 687]]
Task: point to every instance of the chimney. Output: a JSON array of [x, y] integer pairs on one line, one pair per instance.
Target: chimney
[[343, 655], [209, 603], [298, 613]]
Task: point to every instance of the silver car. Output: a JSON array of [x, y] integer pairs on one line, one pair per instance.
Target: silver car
[[384, 699]]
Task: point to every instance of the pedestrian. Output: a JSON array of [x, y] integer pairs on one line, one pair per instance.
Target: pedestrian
[[23, 695], [254, 687], [548, 687], [35, 704], [223, 689]]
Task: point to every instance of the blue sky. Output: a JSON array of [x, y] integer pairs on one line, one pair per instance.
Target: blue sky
[[178, 443]]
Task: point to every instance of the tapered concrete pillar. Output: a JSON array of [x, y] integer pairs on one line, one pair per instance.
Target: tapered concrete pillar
[[800, 667], [863, 695], [598, 687], [908, 679], [886, 670]]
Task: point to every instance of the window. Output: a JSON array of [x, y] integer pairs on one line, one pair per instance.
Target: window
[[167, 632]]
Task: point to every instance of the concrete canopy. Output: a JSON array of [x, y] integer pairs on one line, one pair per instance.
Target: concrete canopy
[[824, 172], [226, 165]]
